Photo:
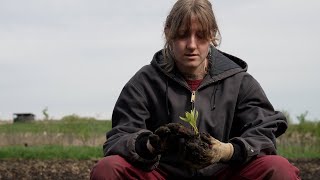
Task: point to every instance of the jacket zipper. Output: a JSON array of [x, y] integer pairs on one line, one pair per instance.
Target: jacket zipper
[[193, 98]]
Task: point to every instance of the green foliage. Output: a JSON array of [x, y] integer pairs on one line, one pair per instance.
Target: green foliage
[[298, 151], [45, 113], [191, 117], [49, 137], [76, 119], [302, 117], [67, 125], [51, 152], [308, 127], [301, 140]]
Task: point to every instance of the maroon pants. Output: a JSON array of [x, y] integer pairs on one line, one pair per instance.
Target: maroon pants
[[261, 168]]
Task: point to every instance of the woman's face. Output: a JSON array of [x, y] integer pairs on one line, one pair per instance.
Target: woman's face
[[191, 48]]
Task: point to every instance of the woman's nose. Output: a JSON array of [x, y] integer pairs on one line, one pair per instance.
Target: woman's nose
[[191, 42]]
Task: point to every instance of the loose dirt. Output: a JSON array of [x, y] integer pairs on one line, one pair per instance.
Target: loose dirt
[[80, 169]]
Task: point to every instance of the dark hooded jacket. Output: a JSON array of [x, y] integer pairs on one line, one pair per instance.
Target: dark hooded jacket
[[232, 108]]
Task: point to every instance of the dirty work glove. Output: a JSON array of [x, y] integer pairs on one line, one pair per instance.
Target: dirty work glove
[[204, 150], [169, 138], [221, 152]]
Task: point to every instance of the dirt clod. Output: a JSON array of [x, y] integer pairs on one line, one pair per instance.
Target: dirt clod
[[176, 140]]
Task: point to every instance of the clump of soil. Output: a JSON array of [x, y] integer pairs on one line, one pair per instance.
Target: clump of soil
[[80, 169], [194, 149]]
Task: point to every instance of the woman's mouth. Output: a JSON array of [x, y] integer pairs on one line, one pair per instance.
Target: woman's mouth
[[191, 55]]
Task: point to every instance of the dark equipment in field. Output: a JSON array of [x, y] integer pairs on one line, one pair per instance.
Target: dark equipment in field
[[23, 117]]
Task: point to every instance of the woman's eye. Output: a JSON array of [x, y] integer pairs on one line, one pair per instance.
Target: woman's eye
[[201, 35], [182, 35]]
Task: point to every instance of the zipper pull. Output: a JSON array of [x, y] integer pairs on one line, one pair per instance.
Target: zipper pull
[[193, 96]]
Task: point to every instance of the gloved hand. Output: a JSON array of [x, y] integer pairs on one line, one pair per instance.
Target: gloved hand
[[169, 138], [221, 152], [195, 150], [205, 150]]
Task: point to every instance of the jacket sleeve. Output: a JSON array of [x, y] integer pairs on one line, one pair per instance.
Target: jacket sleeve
[[128, 126], [257, 123]]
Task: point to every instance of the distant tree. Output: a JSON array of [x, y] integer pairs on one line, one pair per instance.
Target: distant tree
[[302, 117], [45, 113]]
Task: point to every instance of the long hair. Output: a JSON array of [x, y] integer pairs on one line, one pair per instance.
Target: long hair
[[180, 16]]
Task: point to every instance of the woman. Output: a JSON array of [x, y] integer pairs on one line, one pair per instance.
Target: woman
[[190, 73]]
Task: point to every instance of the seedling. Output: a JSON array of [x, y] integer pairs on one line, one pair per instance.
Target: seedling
[[191, 117]]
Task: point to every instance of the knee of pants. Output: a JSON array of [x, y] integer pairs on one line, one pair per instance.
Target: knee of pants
[[109, 166], [278, 165]]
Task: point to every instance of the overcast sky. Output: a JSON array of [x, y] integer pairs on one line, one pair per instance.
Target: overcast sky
[[74, 56]]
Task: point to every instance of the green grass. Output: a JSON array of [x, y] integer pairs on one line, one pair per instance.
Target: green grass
[[300, 141], [297, 152], [309, 127], [86, 152], [51, 152], [68, 125]]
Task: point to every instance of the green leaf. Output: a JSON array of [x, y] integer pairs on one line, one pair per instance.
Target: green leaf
[[191, 117]]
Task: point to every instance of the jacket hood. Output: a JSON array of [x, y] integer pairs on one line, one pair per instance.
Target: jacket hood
[[223, 65]]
